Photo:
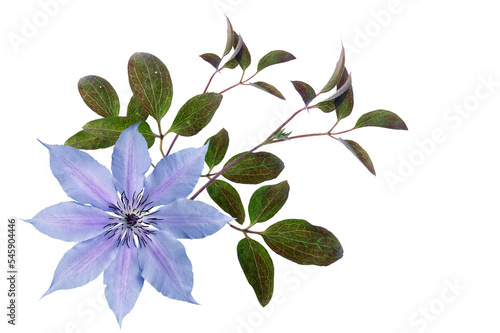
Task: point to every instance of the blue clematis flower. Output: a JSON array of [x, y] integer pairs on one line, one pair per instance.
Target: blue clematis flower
[[127, 224]]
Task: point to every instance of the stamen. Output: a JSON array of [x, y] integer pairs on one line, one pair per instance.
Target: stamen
[[133, 222]]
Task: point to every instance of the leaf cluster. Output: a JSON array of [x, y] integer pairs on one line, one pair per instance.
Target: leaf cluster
[[151, 84]]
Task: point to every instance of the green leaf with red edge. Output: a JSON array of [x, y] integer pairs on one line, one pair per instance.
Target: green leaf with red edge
[[337, 73], [217, 148], [243, 57], [303, 243], [360, 153], [305, 91], [381, 118], [212, 59], [241, 53], [254, 168], [332, 102], [344, 104], [195, 114], [267, 201], [110, 128], [99, 95], [273, 58], [230, 38], [84, 140], [151, 84], [232, 62], [268, 88], [227, 198], [258, 268], [135, 110]]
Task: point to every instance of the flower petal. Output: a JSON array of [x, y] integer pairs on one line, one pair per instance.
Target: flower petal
[[83, 263], [82, 177], [186, 218], [130, 161], [166, 266], [70, 221], [123, 282], [175, 176]]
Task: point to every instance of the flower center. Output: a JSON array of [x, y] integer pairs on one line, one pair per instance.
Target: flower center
[[132, 219], [132, 222]]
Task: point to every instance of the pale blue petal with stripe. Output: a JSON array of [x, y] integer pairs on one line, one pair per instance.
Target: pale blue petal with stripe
[[186, 218], [175, 176], [166, 266], [82, 177], [83, 263], [123, 282], [70, 221], [130, 161]]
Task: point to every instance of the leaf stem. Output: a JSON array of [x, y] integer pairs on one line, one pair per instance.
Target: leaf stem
[[282, 125], [222, 171], [251, 77], [334, 125], [242, 82], [161, 138], [314, 134], [306, 136], [245, 231], [233, 86], [342, 131], [208, 175], [236, 160], [172, 144], [211, 78]]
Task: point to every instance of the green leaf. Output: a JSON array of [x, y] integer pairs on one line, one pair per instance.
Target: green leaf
[[258, 268], [84, 140], [273, 58], [345, 103], [195, 114], [360, 153], [212, 59], [230, 38], [110, 128], [135, 110], [217, 148], [267, 88], [151, 84], [254, 168], [303, 243], [332, 102], [305, 91], [241, 53], [99, 95], [232, 62], [381, 118], [243, 57], [267, 201], [337, 73], [227, 198]]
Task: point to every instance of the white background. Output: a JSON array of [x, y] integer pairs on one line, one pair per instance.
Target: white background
[[420, 239]]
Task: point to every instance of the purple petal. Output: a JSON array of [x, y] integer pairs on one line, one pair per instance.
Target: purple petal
[[83, 263], [130, 161], [70, 221], [123, 282], [166, 266], [175, 176], [82, 177], [186, 218]]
